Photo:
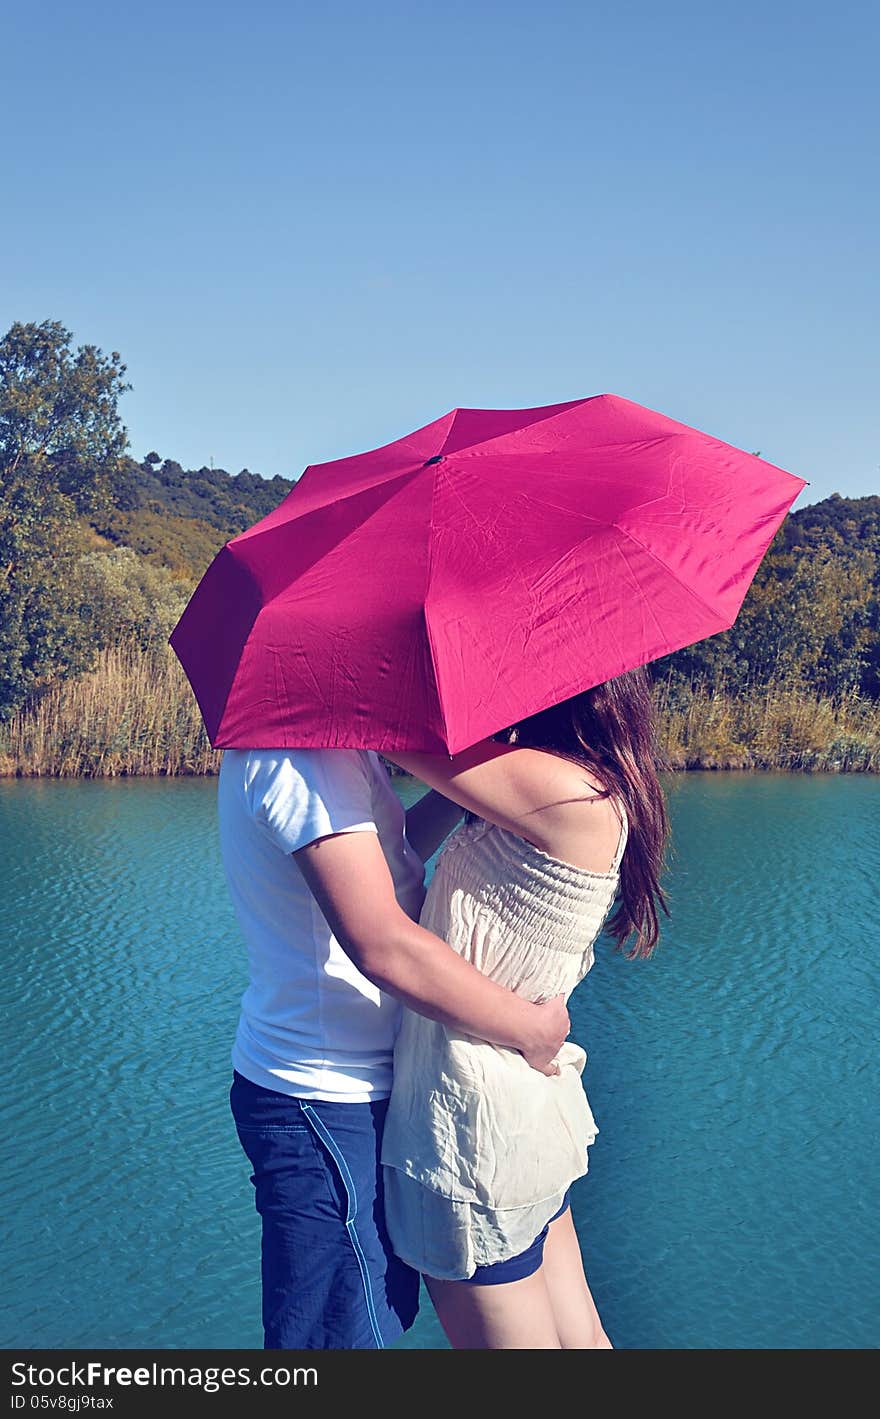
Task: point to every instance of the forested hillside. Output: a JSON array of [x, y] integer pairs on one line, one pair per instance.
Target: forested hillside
[[812, 614], [179, 518]]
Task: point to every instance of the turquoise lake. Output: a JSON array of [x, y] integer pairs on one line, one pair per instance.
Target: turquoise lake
[[732, 1193]]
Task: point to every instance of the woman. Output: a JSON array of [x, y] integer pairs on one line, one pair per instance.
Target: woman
[[479, 1152]]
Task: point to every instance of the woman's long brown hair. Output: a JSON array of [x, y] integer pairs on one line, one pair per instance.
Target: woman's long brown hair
[[610, 729]]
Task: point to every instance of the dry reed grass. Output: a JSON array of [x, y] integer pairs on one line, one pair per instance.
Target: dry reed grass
[[776, 726], [133, 714]]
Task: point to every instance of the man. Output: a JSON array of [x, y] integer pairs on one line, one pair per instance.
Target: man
[[326, 875]]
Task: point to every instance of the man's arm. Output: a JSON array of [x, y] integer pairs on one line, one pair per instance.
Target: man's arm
[[349, 878], [429, 821]]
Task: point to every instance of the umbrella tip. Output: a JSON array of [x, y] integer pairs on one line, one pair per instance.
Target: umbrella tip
[[438, 458]]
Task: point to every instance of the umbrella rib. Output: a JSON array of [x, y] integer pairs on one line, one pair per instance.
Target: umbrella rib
[[713, 610], [252, 534], [571, 404], [430, 634]]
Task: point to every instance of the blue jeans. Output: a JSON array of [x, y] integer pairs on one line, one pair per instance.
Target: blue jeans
[[330, 1278]]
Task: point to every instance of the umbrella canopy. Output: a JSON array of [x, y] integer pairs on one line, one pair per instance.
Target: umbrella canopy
[[429, 593]]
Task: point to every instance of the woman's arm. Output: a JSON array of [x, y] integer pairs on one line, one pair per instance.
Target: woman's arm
[[531, 792], [350, 880], [429, 821]]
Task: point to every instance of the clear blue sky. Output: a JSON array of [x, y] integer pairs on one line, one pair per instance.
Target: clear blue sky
[[310, 227]]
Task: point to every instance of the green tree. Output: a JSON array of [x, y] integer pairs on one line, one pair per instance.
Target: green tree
[[61, 444], [123, 597]]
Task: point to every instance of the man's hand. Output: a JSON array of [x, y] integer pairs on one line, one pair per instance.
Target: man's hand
[[551, 1024]]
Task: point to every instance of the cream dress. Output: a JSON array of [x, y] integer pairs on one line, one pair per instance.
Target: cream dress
[[479, 1148]]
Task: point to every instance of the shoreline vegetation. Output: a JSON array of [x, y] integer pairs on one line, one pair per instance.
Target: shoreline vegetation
[[134, 715]]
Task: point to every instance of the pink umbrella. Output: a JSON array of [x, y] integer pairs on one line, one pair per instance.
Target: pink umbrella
[[429, 593]]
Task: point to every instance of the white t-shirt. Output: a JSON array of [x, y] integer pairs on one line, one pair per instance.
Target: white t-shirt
[[311, 1024]]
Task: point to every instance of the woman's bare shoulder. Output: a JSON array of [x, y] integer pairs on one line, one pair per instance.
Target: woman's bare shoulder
[[582, 824]]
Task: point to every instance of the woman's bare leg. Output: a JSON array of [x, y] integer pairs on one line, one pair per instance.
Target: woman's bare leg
[[515, 1315], [574, 1310]]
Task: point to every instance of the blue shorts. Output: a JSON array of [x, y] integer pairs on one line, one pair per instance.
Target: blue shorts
[[516, 1268], [330, 1278]]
